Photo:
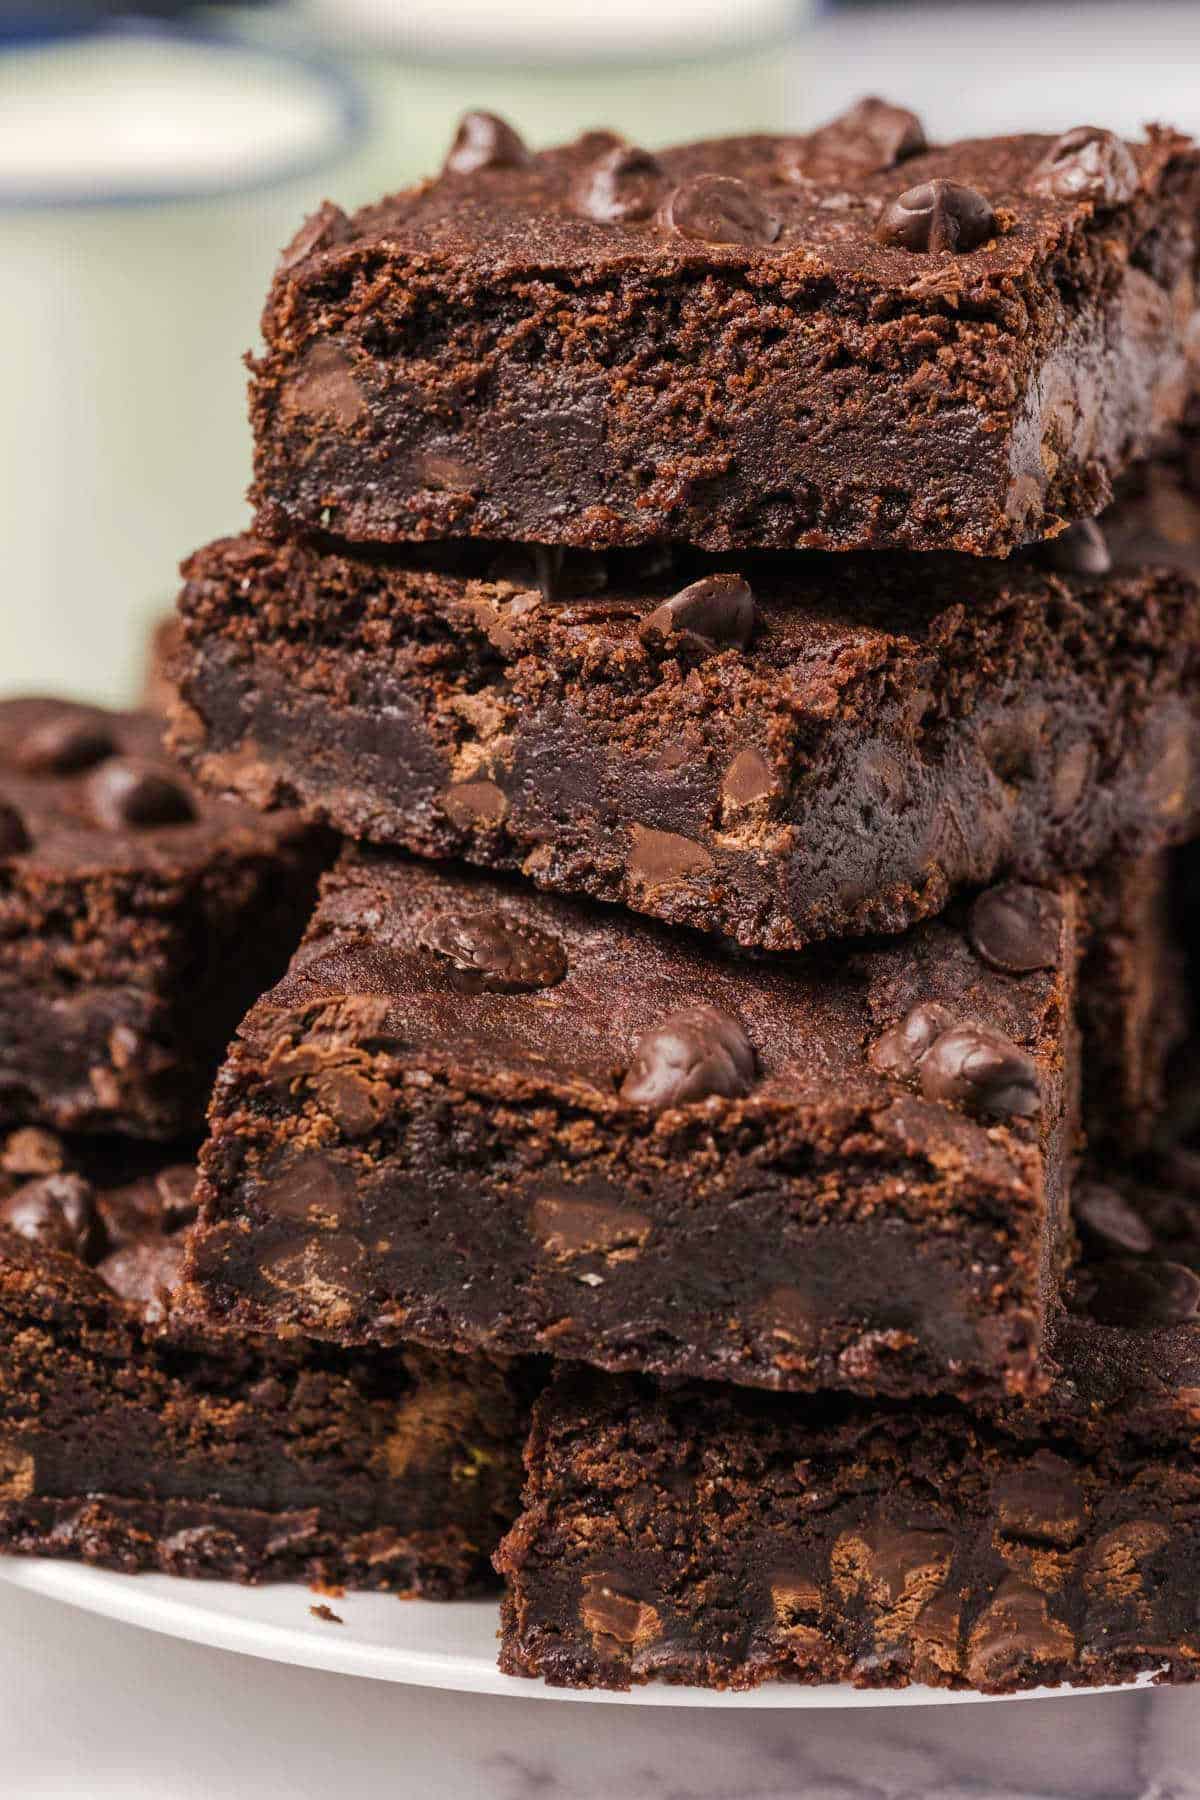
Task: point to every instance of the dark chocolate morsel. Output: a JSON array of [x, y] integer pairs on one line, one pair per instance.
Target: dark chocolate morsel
[[719, 209], [64, 743], [624, 184], [976, 1067], [1079, 550], [937, 215], [321, 231], [13, 836], [125, 792], [1107, 1221], [484, 141], [689, 1055], [1087, 163], [57, 1212], [899, 1050], [875, 134], [1015, 928], [1140, 1295], [496, 955], [714, 612], [144, 1272]]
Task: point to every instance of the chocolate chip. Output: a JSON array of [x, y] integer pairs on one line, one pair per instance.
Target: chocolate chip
[[495, 955], [65, 743], [624, 185], [711, 614], [1140, 1295], [719, 209], [1107, 1222], [144, 1273], [13, 836], [873, 134], [56, 1213], [935, 216], [1015, 928], [484, 141], [976, 1067], [689, 1055], [1087, 164], [126, 792], [1079, 550], [326, 227], [899, 1050]]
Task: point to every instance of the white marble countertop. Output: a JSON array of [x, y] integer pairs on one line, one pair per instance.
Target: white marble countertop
[[90, 1710]]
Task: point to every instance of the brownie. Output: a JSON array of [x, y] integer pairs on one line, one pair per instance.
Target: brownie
[[722, 1538], [774, 749], [138, 920], [846, 340], [128, 1440], [477, 1117]]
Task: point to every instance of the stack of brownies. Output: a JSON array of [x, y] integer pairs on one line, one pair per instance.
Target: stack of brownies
[[708, 535]]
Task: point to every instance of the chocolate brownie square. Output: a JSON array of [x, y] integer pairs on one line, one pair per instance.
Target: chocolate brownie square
[[716, 1537], [138, 920], [477, 1117], [845, 340], [128, 1440], [774, 749]]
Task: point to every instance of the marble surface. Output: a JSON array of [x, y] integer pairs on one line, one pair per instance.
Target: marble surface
[[95, 1711]]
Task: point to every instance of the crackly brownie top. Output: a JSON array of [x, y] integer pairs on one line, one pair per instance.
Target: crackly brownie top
[[952, 1031], [120, 1210], [85, 792], [853, 198]]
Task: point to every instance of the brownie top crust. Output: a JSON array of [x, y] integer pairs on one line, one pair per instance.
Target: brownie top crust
[[800, 204], [87, 793]]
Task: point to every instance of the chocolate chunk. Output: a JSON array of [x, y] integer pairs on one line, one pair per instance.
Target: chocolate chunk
[[719, 209], [899, 1050], [1015, 928], [1079, 550], [143, 1273], [484, 141], [1107, 1222], [325, 228], [976, 1067], [126, 792], [1042, 1503], [496, 955], [13, 836], [689, 1055], [711, 614], [65, 743], [869, 136], [1016, 1631], [1140, 1295], [607, 1612], [1087, 164], [56, 1212], [935, 216], [624, 185], [664, 856]]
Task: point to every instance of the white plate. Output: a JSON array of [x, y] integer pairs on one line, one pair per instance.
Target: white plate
[[418, 1642]]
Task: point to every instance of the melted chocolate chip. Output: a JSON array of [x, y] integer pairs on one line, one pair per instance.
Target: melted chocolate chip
[[1140, 1295], [1079, 550], [65, 743], [624, 185], [936, 216], [125, 792], [57, 1213], [689, 1055], [327, 226], [143, 1273], [495, 955], [719, 209], [484, 141], [899, 1050], [873, 134], [976, 1067], [711, 614], [1107, 1222], [1015, 928], [13, 836], [1087, 164]]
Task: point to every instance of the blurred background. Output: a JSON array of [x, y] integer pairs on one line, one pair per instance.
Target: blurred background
[[153, 160]]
